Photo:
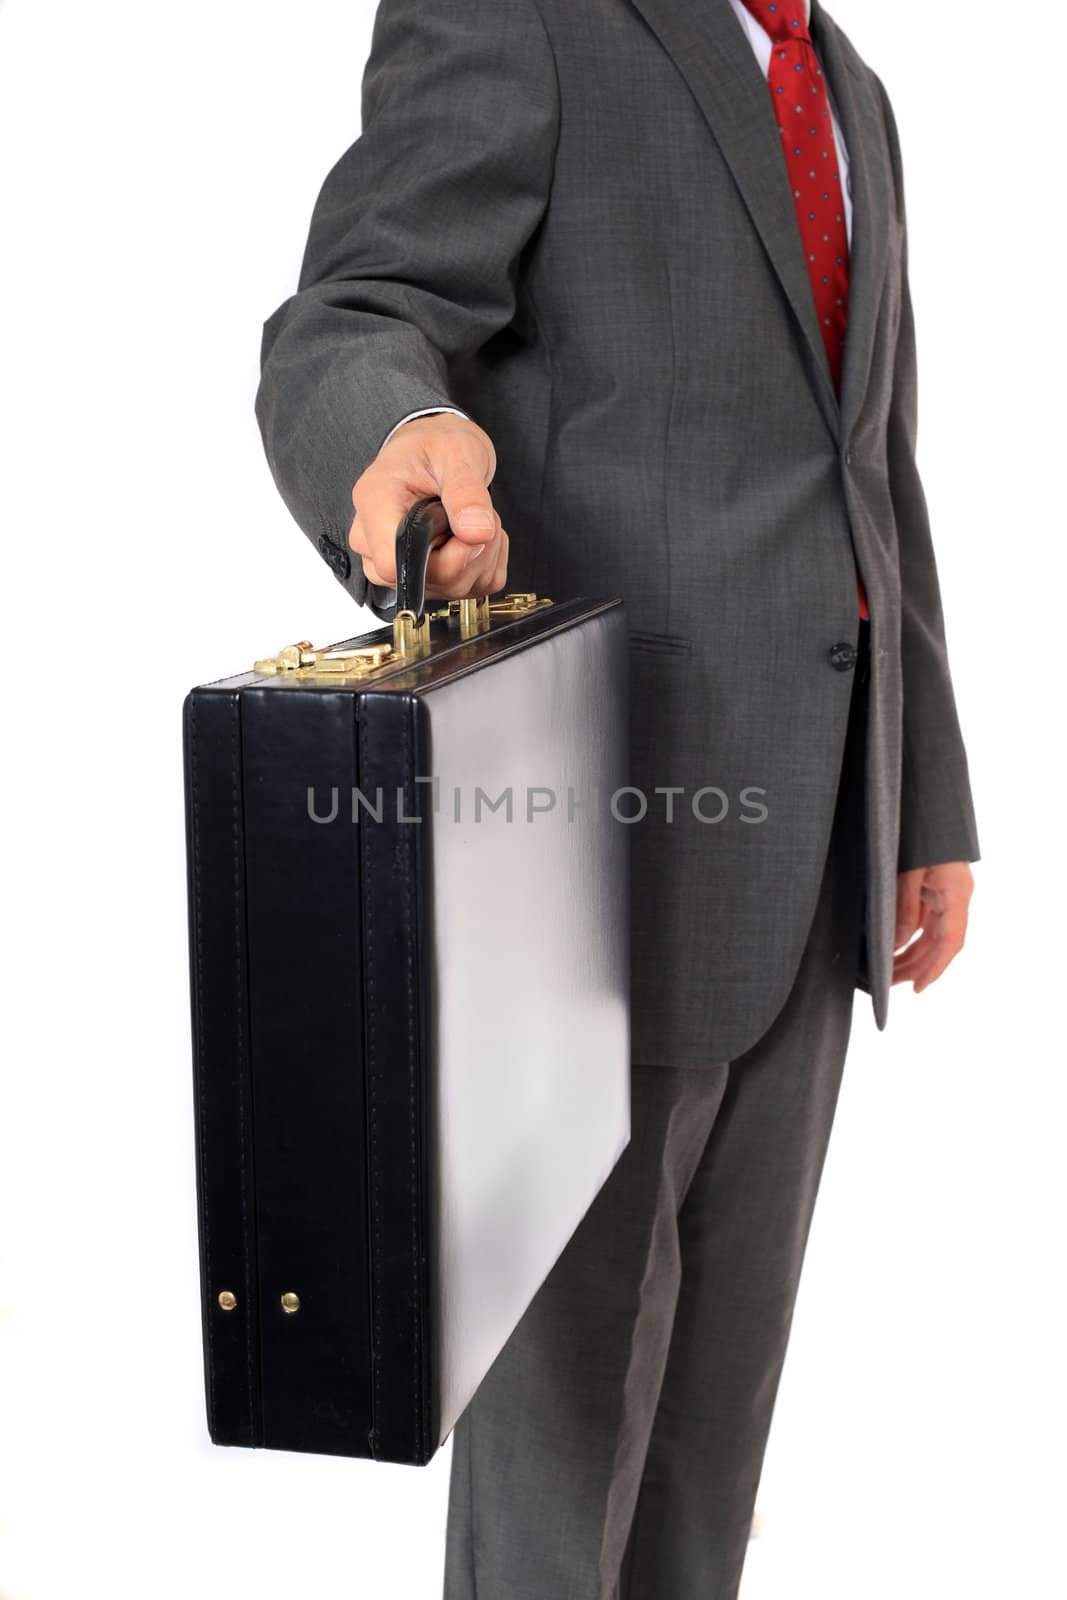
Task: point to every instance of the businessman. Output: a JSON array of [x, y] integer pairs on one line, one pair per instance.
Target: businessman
[[625, 282]]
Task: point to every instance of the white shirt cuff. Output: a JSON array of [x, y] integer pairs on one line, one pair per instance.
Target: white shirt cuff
[[429, 411]]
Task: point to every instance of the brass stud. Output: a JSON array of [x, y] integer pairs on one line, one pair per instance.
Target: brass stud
[[227, 1300], [290, 1302]]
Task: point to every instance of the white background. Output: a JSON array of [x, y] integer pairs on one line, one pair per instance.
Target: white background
[[159, 168]]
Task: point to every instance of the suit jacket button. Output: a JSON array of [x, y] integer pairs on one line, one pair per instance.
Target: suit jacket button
[[843, 655], [335, 557]]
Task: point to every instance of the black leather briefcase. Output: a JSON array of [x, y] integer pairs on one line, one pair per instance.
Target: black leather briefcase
[[408, 931]]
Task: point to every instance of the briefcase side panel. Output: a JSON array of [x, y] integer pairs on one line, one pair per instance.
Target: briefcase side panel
[[530, 1028], [305, 956], [395, 882], [222, 1089]]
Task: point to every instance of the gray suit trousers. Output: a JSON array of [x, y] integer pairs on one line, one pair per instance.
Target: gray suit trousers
[[614, 1449]]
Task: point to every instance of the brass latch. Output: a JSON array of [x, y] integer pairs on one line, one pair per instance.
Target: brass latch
[[472, 611], [517, 604], [338, 663], [288, 659], [304, 661]]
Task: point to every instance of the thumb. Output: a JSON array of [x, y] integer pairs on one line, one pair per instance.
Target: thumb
[[909, 885], [468, 507]]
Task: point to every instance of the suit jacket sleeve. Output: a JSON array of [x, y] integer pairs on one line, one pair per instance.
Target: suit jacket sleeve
[[411, 258], [937, 821]]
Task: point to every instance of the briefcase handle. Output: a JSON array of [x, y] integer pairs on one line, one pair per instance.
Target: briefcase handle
[[423, 528]]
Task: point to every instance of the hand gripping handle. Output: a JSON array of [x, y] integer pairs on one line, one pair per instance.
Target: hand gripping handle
[[423, 528]]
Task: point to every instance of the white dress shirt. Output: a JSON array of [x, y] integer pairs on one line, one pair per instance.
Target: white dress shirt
[[761, 43]]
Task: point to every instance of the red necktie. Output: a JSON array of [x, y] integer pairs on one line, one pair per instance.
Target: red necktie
[[802, 108]]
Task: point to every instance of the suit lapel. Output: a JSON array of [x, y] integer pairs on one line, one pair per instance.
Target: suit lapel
[[716, 60], [859, 115]]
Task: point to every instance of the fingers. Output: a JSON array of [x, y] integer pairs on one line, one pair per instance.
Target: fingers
[[374, 576], [909, 902], [905, 966], [944, 916], [926, 959], [500, 570], [484, 572], [457, 568], [952, 931], [445, 455]]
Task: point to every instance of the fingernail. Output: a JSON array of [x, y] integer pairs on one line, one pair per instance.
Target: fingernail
[[472, 554], [473, 517]]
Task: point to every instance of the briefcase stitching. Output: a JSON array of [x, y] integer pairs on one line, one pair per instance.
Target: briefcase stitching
[[403, 905], [371, 1014], [249, 1423], [200, 1045], [409, 931], [243, 1058]]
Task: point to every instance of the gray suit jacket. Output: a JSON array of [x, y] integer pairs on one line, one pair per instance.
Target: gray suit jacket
[[574, 222]]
